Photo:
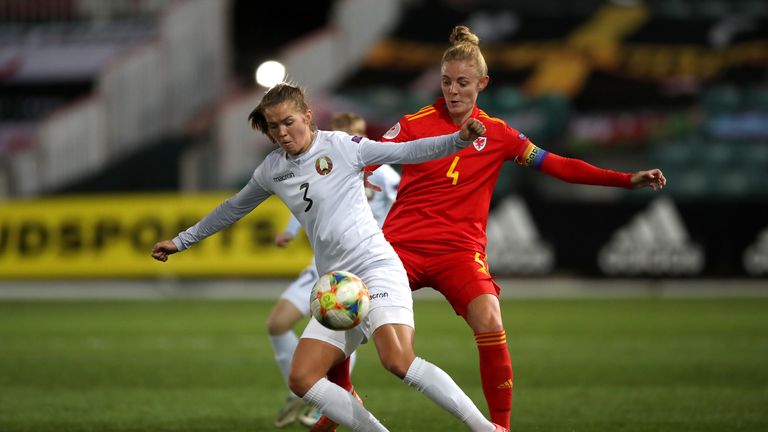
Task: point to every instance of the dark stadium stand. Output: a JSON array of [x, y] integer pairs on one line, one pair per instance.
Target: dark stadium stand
[[694, 101]]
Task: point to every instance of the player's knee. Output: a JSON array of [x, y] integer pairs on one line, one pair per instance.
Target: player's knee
[[300, 382], [487, 323], [484, 318], [276, 328], [397, 362]]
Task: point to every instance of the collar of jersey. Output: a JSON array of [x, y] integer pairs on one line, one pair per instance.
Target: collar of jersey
[[442, 109], [300, 158]]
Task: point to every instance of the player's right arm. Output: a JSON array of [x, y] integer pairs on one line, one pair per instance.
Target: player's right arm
[[227, 213]]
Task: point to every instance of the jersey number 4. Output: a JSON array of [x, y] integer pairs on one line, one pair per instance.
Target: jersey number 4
[[309, 201], [452, 173]]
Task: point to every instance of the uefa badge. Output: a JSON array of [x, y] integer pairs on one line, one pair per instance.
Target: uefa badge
[[480, 143], [323, 165], [393, 131]]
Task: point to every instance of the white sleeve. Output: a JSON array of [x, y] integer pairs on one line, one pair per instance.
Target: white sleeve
[[293, 225], [227, 213], [410, 152]]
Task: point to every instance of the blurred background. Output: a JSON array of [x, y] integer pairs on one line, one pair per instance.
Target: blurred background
[[124, 121]]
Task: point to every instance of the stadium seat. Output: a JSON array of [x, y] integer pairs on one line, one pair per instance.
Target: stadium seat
[[721, 99], [756, 99], [508, 99]]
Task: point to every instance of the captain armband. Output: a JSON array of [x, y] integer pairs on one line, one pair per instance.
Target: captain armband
[[532, 156]]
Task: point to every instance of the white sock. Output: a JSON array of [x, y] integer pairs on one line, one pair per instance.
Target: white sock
[[284, 346], [434, 383], [342, 407]]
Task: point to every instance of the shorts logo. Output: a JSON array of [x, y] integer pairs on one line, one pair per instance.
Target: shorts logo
[[483, 261], [323, 165], [357, 139], [393, 131], [522, 136], [379, 295], [480, 143]]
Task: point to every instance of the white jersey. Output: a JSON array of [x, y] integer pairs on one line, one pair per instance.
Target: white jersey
[[323, 188], [387, 179]]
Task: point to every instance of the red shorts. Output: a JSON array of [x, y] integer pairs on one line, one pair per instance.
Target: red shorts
[[459, 276]]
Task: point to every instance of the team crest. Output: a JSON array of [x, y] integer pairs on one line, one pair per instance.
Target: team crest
[[323, 165], [393, 131], [480, 143]]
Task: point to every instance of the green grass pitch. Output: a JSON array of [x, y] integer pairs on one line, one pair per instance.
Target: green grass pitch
[[581, 365]]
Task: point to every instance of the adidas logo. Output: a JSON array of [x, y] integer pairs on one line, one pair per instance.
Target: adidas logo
[[514, 245], [755, 257], [508, 384], [654, 242]]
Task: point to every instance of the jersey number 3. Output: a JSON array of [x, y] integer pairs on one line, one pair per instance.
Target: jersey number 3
[[452, 173], [305, 186]]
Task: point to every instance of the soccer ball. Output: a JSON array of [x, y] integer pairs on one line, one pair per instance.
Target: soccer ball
[[339, 300]]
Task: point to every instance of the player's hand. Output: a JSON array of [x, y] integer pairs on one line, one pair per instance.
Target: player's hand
[[367, 182], [471, 130], [653, 179], [162, 249], [282, 239]]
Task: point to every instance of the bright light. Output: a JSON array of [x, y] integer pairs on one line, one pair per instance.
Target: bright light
[[270, 73]]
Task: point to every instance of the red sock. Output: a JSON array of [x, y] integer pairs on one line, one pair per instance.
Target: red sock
[[339, 375], [496, 375]]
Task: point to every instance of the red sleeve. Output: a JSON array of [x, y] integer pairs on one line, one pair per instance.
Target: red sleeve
[[578, 171], [516, 142]]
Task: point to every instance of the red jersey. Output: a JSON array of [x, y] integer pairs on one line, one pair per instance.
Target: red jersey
[[442, 205]]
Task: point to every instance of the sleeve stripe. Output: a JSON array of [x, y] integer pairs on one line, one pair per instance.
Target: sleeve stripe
[[417, 116], [485, 116], [426, 108]]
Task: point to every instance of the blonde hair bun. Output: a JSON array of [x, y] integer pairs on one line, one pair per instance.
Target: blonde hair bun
[[461, 34]]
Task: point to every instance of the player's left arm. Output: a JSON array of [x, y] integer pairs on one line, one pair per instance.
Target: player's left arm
[[419, 150], [578, 171]]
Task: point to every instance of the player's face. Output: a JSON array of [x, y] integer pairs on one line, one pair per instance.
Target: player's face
[[289, 127], [461, 84]]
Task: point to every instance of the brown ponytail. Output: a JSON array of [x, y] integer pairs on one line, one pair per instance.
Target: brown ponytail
[[278, 94]]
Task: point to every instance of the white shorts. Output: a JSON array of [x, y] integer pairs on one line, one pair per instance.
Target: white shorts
[[299, 291], [391, 303]]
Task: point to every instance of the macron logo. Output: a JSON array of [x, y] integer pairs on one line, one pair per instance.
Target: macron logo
[[514, 245], [283, 177], [654, 242], [756, 255]]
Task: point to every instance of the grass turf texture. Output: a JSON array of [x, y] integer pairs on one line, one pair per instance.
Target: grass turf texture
[[582, 365]]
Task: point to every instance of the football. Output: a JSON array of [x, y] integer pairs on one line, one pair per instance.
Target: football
[[339, 300]]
